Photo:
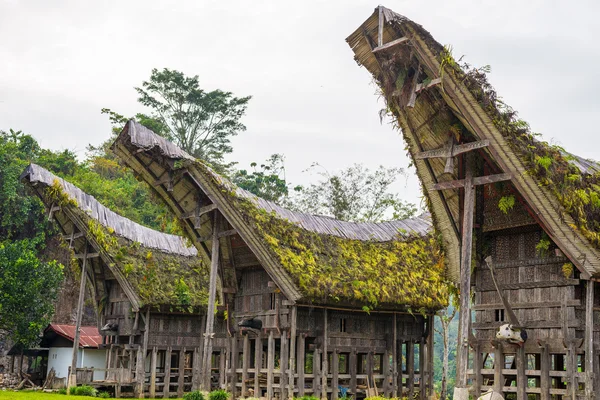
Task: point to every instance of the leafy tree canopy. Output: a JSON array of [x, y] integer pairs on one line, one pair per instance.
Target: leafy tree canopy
[[268, 181], [355, 194]]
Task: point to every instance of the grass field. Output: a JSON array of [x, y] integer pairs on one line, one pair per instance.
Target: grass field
[[5, 394]]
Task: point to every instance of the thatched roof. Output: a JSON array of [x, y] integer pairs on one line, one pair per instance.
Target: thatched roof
[[311, 258], [556, 188], [152, 267]]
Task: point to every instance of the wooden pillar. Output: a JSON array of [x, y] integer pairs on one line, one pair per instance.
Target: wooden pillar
[[430, 351], [195, 370], [293, 322], [72, 380], [353, 371], [316, 373], [422, 368], [301, 365], [589, 340], [325, 357], [167, 378], [461, 391], [572, 382], [477, 365], [245, 365], [210, 314], [521, 378], [410, 367], [258, 347], [235, 354], [222, 370], [545, 363], [153, 372], [370, 368], [283, 364], [11, 367], [498, 366], [394, 356], [386, 373], [335, 364], [270, 364], [181, 370], [141, 360]]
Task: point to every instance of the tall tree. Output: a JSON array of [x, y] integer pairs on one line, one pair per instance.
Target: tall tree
[[355, 194], [267, 181], [200, 122]]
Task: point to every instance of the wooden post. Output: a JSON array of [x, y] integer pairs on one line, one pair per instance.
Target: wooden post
[[245, 365], [394, 356], [153, 372], [258, 347], [300, 365], [422, 368], [410, 367], [141, 359], [477, 365], [283, 364], [589, 340], [195, 369], [498, 366], [72, 380], [353, 371], [430, 351], [11, 367], [270, 364], [181, 371], [521, 377], [316, 373], [335, 363], [572, 383], [325, 358], [167, 378], [294, 316], [461, 391], [235, 354], [210, 314], [222, 370], [386, 373], [545, 373]]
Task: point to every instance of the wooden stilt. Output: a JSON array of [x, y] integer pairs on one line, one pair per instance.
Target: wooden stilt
[[222, 368], [430, 351], [235, 354], [335, 363], [283, 365], [545, 373], [181, 371], [270, 364], [167, 380], [141, 360], [317, 373], [292, 366], [422, 369], [11, 367], [195, 369], [478, 378], [210, 315], [521, 377], [353, 371], [153, 372], [245, 365], [589, 340], [72, 380], [386, 373], [410, 367], [394, 356], [300, 365], [325, 357], [258, 347]]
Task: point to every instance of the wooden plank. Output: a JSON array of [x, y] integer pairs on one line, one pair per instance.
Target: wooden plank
[[86, 255], [152, 372], [389, 45], [257, 365], [245, 365], [325, 368], [199, 211], [300, 367], [72, 379], [167, 377], [462, 350], [420, 87], [210, 316], [452, 151], [290, 379], [380, 27], [229, 232], [270, 364], [480, 180]]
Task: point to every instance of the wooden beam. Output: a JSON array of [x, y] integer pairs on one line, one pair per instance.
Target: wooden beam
[[168, 180], [72, 379], [229, 232], [210, 316], [389, 45], [480, 180], [380, 27], [434, 82], [293, 352], [86, 255], [199, 211]]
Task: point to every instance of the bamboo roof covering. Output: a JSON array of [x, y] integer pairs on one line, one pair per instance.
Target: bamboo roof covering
[[435, 101], [287, 244], [151, 267]]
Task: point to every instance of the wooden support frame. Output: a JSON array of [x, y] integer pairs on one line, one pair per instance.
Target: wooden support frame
[[72, 379]]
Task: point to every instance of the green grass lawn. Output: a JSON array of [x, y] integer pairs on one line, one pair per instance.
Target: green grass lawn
[[5, 394]]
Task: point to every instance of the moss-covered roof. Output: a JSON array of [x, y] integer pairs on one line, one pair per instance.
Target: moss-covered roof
[[318, 259], [560, 190], [160, 269]]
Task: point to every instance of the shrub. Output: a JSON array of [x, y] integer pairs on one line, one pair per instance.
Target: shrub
[[307, 398], [104, 395], [83, 390], [195, 395], [62, 391], [218, 395]]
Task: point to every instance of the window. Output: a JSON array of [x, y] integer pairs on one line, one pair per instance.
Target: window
[[343, 325], [500, 315]]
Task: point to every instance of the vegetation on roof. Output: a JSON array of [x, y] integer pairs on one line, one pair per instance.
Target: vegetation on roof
[[577, 192], [329, 269], [158, 278]]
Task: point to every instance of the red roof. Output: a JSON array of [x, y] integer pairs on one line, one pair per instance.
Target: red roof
[[88, 335]]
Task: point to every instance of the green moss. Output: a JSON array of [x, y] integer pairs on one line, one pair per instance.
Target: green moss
[[329, 268]]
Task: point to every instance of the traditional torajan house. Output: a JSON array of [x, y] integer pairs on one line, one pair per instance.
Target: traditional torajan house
[[306, 304], [519, 218], [148, 288]]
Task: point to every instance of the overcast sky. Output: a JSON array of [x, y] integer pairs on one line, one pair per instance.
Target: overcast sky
[[62, 61]]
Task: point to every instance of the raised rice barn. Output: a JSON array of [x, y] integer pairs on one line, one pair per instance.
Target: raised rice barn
[[301, 283], [508, 207]]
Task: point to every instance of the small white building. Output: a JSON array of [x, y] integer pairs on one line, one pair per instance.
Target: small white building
[[59, 341]]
